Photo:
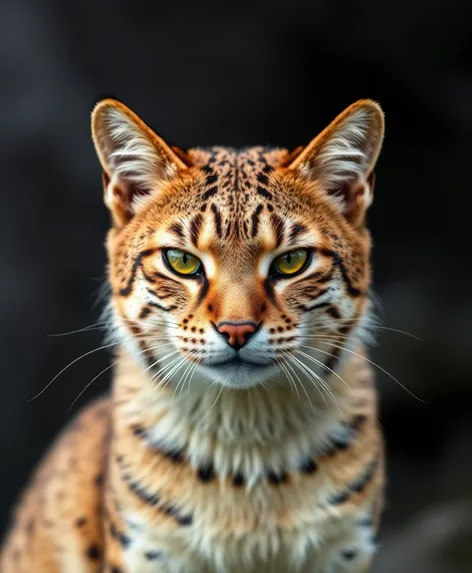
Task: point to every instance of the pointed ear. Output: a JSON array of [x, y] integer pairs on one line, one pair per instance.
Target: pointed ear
[[342, 158], [135, 160]]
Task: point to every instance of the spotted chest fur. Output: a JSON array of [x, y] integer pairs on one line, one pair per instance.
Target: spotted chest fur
[[241, 435]]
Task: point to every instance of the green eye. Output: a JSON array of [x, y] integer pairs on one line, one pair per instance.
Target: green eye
[[291, 262], [182, 262]]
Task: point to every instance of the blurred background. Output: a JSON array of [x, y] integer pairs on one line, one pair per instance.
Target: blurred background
[[248, 73]]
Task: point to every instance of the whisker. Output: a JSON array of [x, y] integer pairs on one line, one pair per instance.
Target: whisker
[[69, 365], [377, 366], [321, 364], [324, 385], [90, 383]]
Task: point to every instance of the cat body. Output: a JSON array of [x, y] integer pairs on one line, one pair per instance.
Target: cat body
[[241, 433]]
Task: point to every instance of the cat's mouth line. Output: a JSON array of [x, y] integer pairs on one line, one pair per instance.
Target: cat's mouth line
[[238, 361]]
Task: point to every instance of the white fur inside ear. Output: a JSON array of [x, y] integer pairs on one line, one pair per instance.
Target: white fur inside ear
[[132, 156], [347, 154]]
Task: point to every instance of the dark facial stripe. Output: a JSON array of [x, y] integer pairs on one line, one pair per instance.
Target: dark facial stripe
[[160, 307], [255, 220], [177, 229], [203, 291], [338, 261], [278, 227], [320, 276], [157, 275], [333, 312], [195, 226], [134, 269], [217, 217], [296, 230], [160, 296]]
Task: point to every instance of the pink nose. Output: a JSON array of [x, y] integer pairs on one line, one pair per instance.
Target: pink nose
[[237, 333]]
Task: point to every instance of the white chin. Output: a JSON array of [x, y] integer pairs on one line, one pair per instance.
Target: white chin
[[238, 375]]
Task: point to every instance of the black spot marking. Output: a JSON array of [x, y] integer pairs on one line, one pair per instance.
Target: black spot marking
[[145, 312], [124, 540], [184, 520], [239, 480], [139, 431], [212, 191], [357, 422], [349, 554], [153, 555], [276, 478], [94, 553], [116, 570], [206, 473], [333, 312], [308, 466], [175, 456], [264, 193], [211, 179], [99, 480], [339, 498], [80, 521]]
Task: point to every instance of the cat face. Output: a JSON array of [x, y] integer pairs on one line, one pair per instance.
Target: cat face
[[236, 267]]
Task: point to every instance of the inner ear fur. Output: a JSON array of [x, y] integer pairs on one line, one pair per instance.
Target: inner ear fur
[[343, 156], [135, 160]]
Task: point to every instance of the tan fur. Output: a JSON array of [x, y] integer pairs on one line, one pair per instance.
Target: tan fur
[[191, 466]]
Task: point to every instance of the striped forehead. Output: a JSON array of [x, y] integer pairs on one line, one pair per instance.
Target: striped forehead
[[235, 196], [265, 231]]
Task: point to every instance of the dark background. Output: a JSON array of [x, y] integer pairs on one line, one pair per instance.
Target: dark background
[[248, 73]]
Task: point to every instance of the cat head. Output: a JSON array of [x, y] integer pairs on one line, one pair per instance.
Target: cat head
[[238, 266]]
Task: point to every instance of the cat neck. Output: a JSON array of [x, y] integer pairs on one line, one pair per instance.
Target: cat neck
[[238, 430]]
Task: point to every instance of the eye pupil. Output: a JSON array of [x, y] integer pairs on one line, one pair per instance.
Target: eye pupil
[[185, 257], [289, 258]]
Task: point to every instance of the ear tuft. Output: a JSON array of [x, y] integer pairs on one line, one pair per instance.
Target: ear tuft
[[135, 160], [342, 158]]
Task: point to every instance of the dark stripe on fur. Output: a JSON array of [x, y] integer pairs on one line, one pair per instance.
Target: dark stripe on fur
[[255, 220], [217, 217], [125, 291]]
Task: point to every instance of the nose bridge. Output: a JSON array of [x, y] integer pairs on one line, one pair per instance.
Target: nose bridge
[[237, 301]]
